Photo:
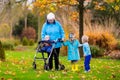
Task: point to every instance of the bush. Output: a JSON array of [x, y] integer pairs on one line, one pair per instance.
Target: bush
[[96, 51], [118, 45], [115, 54], [31, 42], [29, 33], [17, 42], [8, 45], [2, 52], [25, 41], [103, 40]]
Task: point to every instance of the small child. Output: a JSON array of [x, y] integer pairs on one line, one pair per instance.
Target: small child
[[47, 44], [87, 53], [73, 51]]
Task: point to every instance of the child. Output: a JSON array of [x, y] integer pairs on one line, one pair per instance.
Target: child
[[87, 53], [47, 44], [73, 51]]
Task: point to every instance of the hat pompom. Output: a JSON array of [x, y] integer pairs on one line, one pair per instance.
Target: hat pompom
[[50, 16]]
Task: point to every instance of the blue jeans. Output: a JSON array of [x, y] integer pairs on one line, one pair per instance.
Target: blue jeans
[[87, 62]]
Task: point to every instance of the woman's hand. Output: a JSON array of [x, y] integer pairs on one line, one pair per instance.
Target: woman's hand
[[63, 39]]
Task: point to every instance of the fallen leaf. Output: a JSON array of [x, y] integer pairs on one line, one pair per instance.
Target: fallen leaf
[[38, 76], [13, 64], [98, 71], [64, 72], [83, 76], [71, 77], [119, 71], [94, 77], [23, 71], [9, 79], [2, 78], [13, 73], [113, 75], [6, 72]]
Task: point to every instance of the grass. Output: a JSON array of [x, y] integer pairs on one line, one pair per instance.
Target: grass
[[18, 66]]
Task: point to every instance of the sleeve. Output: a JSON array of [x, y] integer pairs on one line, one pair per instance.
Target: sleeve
[[65, 43], [43, 32], [61, 31], [85, 49], [78, 44]]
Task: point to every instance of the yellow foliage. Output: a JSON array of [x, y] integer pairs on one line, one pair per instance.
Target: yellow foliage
[[117, 0], [96, 3], [117, 8], [109, 1], [102, 8], [74, 16], [73, 2], [97, 7], [102, 39]]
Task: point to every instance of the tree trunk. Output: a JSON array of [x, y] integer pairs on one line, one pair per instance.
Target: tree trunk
[[25, 14], [39, 28], [2, 53], [25, 21], [11, 29], [1, 6], [81, 10], [10, 20]]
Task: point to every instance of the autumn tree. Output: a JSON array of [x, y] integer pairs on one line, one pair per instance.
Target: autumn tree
[[2, 52], [104, 9], [9, 15], [4, 30], [12, 11], [31, 21]]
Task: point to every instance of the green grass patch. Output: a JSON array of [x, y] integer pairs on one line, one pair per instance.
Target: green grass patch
[[18, 66]]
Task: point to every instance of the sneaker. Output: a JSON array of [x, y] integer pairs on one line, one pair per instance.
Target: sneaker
[[85, 71], [89, 70]]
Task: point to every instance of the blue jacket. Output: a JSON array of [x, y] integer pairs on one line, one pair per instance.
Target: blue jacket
[[54, 30], [86, 49], [73, 51]]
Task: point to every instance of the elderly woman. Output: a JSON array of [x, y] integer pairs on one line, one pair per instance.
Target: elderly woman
[[54, 29]]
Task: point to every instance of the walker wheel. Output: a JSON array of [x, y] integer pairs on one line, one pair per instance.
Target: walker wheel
[[34, 65], [62, 67], [46, 67]]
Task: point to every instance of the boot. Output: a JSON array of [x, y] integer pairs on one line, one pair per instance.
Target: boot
[[73, 67], [76, 67]]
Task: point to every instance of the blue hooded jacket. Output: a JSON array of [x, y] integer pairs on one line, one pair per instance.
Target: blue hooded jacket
[[54, 30], [73, 50]]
